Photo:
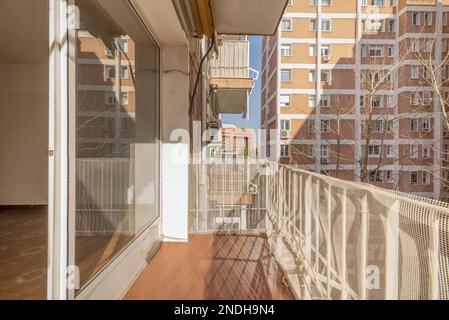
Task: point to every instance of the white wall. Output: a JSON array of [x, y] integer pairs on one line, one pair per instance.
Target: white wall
[[23, 134], [175, 156]]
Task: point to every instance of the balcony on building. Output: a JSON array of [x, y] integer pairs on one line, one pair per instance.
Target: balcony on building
[[231, 78]]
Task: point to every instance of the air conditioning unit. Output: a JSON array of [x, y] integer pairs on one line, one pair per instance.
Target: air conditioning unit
[[108, 53], [326, 58], [285, 134]]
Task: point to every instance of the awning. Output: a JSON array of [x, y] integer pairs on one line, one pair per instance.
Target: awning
[[236, 17], [247, 17]]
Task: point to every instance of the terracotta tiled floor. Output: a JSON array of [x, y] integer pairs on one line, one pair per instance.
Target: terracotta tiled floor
[[212, 267]]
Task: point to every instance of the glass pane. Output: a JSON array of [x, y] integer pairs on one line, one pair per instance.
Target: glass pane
[[117, 132], [23, 148]]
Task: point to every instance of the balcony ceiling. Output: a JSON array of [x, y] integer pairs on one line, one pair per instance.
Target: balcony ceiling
[[249, 17], [232, 101]]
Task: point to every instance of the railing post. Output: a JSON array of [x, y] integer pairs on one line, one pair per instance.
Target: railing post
[[434, 256], [308, 230], [392, 251], [317, 226], [344, 237], [363, 241], [329, 240]]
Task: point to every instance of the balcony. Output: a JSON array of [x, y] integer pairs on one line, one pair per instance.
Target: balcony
[[232, 80], [302, 235]]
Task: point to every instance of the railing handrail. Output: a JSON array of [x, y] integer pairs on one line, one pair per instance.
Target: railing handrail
[[431, 203]]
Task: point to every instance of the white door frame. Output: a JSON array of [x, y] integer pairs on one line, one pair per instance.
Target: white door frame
[[58, 160]]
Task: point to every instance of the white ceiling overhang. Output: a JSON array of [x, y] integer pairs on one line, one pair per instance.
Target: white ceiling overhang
[[247, 17]]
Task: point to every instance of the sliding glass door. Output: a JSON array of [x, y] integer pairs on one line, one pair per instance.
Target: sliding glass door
[[114, 133]]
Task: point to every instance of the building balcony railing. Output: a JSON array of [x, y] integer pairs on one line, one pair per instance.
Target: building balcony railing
[[231, 77], [333, 239]]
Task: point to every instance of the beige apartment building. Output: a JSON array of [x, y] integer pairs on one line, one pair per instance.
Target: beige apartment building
[[372, 116]]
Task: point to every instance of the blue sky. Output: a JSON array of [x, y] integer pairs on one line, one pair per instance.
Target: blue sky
[[255, 98]]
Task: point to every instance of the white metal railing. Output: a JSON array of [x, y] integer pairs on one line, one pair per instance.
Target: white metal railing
[[232, 61], [104, 196], [341, 240]]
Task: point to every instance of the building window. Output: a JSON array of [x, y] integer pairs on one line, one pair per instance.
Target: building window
[[413, 151], [390, 125], [414, 46], [415, 19], [325, 152], [311, 125], [428, 45], [285, 125], [123, 44], [414, 125], [310, 151], [286, 75], [391, 25], [375, 176], [389, 176], [414, 98], [426, 125], [286, 50], [426, 98], [286, 24], [325, 101], [414, 177], [391, 51], [425, 178], [312, 101], [109, 72], [389, 151], [376, 51], [325, 126], [326, 76], [285, 100], [426, 152], [374, 151], [377, 102], [285, 151], [414, 72], [428, 19], [326, 25]]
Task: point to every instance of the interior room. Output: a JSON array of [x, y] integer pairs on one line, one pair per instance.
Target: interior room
[[23, 148]]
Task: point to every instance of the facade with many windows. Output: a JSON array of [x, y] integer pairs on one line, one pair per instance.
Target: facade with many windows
[[348, 86]]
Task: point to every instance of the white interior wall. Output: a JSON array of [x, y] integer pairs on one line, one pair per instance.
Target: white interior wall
[[24, 102], [23, 134]]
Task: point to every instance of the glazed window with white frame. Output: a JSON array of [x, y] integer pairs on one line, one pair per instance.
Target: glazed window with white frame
[[287, 24], [286, 50], [389, 151], [312, 101], [285, 100], [325, 126], [428, 19], [286, 75], [413, 151], [285, 151], [389, 176], [413, 177], [286, 125], [425, 178], [310, 150], [425, 123], [414, 124], [426, 152], [414, 72], [416, 19]]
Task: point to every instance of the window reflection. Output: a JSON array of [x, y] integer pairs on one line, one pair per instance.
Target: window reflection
[[117, 126]]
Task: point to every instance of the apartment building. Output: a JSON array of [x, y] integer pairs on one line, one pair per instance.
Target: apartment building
[[346, 86]]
